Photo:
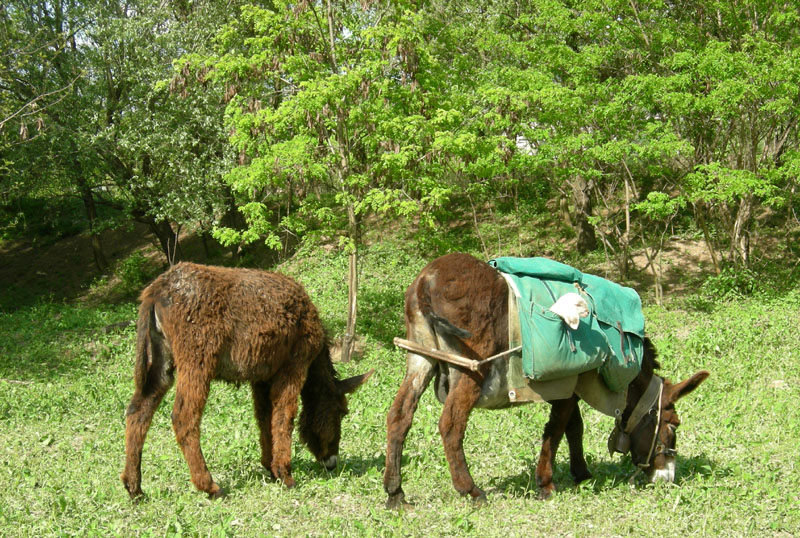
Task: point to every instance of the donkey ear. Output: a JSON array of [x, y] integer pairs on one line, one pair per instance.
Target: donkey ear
[[350, 384], [685, 387]]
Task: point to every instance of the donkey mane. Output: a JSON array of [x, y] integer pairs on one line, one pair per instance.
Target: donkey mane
[[320, 396], [650, 360]]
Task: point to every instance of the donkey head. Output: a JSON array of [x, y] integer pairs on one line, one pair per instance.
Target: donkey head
[[324, 407], [653, 440]]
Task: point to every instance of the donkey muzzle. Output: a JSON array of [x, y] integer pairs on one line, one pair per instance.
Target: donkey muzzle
[[667, 474]]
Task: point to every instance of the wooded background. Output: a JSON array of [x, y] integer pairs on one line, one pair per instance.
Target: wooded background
[[280, 122]]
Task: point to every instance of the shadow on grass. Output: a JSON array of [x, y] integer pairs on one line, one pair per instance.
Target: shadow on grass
[[239, 475], [49, 341], [606, 476]]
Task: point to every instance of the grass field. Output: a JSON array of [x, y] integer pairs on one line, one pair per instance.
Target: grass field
[[65, 382]]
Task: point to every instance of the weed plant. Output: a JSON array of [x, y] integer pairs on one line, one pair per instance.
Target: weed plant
[[65, 382]]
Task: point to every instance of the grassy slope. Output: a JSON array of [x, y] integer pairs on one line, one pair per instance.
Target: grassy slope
[[65, 385]]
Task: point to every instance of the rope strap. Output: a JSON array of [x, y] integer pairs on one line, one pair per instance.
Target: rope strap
[[660, 387], [645, 403]]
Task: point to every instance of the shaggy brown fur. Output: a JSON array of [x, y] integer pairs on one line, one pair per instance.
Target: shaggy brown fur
[[460, 304], [198, 323]]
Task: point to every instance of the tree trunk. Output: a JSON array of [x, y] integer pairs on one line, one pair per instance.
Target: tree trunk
[[341, 150], [204, 236], [167, 239], [700, 217], [581, 194], [654, 262], [91, 214], [477, 227], [741, 230], [563, 209], [625, 240], [352, 287], [232, 219]]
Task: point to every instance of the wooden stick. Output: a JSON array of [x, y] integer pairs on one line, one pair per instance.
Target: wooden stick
[[503, 354], [450, 357]]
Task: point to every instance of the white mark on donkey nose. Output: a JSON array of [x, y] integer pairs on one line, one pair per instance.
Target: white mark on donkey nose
[[331, 462], [667, 474]]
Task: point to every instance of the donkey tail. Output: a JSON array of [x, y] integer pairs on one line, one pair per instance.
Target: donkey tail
[[144, 343], [443, 325], [437, 322]]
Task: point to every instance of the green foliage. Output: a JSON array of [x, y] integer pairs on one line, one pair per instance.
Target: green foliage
[[262, 121], [333, 111], [732, 284], [715, 183], [97, 122], [43, 219], [133, 272], [659, 205]]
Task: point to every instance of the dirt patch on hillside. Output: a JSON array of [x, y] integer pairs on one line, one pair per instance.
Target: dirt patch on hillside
[[59, 269], [684, 263], [63, 269]]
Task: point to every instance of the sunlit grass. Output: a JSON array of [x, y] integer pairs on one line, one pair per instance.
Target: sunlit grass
[[64, 385]]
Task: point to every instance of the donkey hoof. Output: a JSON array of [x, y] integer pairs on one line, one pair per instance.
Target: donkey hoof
[[134, 490], [582, 477], [398, 502], [135, 495], [478, 496], [480, 501], [546, 493], [217, 493]]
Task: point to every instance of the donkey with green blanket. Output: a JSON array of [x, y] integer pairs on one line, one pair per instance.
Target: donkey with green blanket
[[462, 306]]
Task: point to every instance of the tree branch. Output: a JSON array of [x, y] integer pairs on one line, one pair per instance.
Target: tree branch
[[36, 99]]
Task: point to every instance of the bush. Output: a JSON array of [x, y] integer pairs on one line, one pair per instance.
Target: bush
[[732, 283], [133, 273]]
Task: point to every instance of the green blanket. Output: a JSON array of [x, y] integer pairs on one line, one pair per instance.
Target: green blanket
[[610, 339]]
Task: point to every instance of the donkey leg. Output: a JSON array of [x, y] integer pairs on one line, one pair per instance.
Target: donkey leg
[[139, 415], [284, 393], [419, 372], [453, 425], [577, 461], [191, 394], [560, 413], [263, 411]]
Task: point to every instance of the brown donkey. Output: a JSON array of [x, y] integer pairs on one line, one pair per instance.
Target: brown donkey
[[198, 323], [459, 304]]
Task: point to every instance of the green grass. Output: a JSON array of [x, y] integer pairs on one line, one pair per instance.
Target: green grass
[[65, 384]]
